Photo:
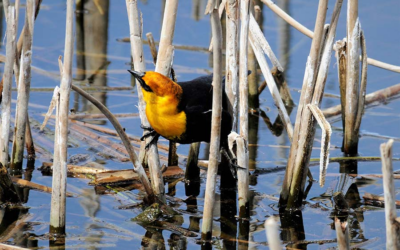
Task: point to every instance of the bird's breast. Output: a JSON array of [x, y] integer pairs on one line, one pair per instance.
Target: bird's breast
[[164, 117]]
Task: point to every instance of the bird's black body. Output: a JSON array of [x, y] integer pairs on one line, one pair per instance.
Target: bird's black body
[[196, 102]]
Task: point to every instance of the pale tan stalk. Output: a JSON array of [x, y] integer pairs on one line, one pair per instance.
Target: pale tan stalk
[[152, 45], [281, 13], [167, 35], [7, 83], [232, 58], [392, 225], [23, 89], [350, 141], [209, 199], [243, 154], [140, 65], [58, 198], [297, 167]]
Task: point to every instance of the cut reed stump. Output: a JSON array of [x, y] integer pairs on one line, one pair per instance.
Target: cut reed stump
[[7, 83], [392, 222], [209, 200], [272, 232], [59, 183]]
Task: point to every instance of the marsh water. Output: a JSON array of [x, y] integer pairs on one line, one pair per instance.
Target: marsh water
[[94, 217]]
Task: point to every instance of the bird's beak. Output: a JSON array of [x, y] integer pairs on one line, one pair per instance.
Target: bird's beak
[[139, 77]]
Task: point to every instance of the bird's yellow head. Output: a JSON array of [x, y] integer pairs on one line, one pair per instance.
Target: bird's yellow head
[[156, 83]]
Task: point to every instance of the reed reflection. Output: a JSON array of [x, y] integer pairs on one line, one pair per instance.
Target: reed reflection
[[91, 48]]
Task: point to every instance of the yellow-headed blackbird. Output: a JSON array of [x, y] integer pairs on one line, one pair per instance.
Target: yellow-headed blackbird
[[181, 112]]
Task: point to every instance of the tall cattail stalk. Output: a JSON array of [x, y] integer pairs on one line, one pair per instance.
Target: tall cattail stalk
[[7, 83], [8, 192], [243, 172], [232, 59], [58, 198], [23, 89], [209, 200], [350, 143], [392, 223], [140, 65]]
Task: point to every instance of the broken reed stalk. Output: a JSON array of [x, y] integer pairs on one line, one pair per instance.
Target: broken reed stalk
[[152, 45], [310, 34], [258, 36], [297, 167], [350, 141], [242, 142], [59, 183], [342, 234], [209, 200], [124, 138], [140, 65], [23, 89], [272, 86], [272, 232], [232, 59], [392, 224], [381, 95], [7, 83]]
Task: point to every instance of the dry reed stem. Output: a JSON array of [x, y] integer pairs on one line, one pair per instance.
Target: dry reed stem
[[59, 183], [350, 141], [120, 130], [52, 106], [243, 81], [242, 141], [363, 84], [392, 226], [140, 65], [381, 95], [272, 232], [209, 199], [152, 45], [272, 86], [342, 234], [325, 141], [7, 83], [232, 59], [167, 35], [258, 36], [297, 167], [242, 155], [281, 13], [23, 89], [340, 47], [221, 9]]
